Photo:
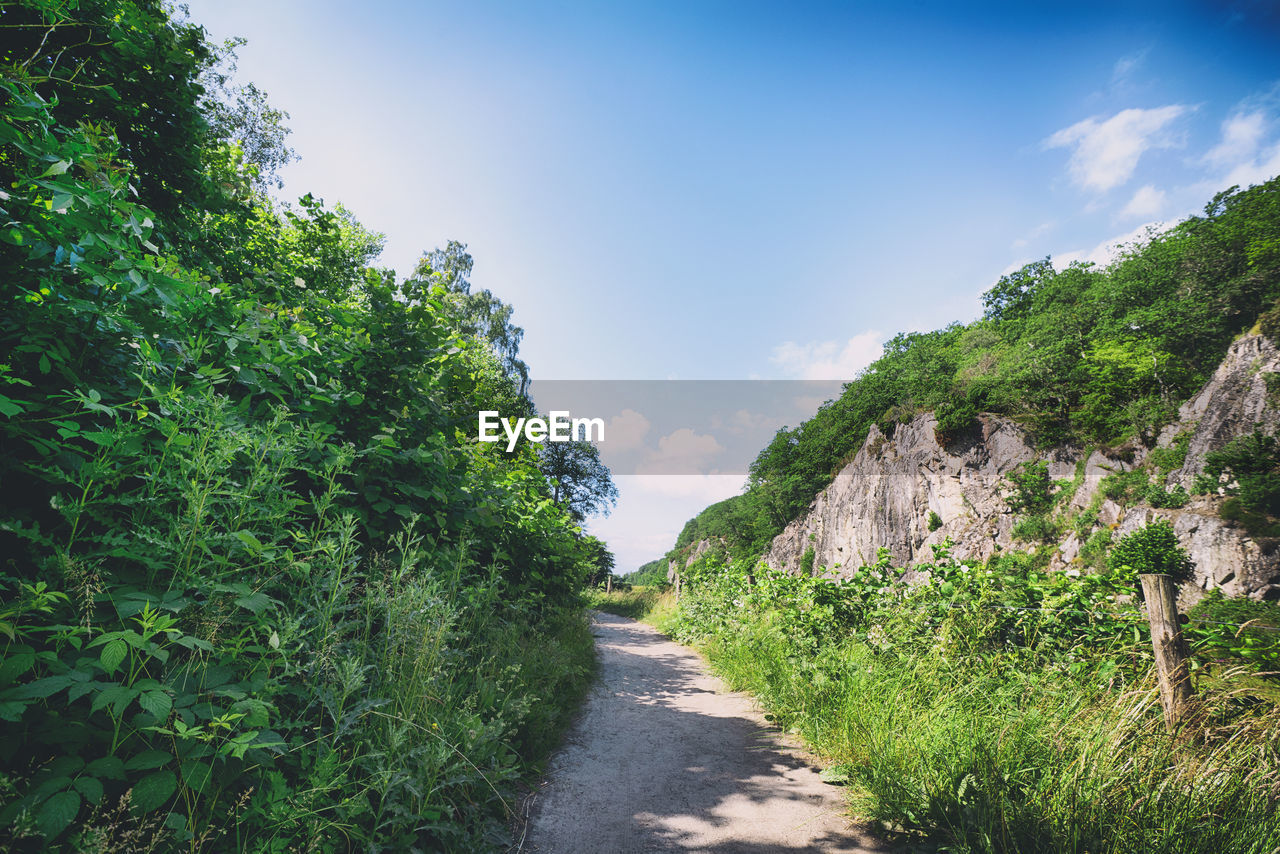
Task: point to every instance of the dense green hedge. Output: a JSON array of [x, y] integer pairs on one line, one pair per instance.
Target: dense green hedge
[[259, 589]]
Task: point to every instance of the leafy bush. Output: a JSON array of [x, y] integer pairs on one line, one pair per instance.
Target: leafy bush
[[1169, 459], [1256, 524], [1150, 549], [1036, 529], [955, 420], [259, 591], [1158, 496], [1032, 489], [1239, 628], [1247, 467]]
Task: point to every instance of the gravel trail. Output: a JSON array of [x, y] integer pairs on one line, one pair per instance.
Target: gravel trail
[[664, 758]]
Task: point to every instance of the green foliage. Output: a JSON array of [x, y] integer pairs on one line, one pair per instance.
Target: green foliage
[[1237, 628], [1031, 714], [1150, 549], [1256, 524], [580, 482], [935, 521], [637, 603], [806, 561], [260, 589], [1247, 467], [1168, 459], [1158, 496], [1039, 528], [651, 574], [1094, 549], [1032, 488], [955, 419], [1269, 323]]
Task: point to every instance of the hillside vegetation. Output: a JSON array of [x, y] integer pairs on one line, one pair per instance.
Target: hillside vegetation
[[259, 591], [1001, 707], [1087, 355]]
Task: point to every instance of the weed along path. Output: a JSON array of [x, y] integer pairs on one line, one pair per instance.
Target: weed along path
[[664, 759]]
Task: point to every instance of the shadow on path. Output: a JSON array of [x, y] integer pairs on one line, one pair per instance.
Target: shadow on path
[[664, 759]]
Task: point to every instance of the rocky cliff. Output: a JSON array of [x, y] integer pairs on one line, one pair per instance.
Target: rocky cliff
[[906, 492]]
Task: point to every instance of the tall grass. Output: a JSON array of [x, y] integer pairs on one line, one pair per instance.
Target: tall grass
[[987, 758], [995, 711], [654, 605]]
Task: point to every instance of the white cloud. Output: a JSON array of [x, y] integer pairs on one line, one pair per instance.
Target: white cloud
[[1242, 155], [682, 452], [1241, 135], [1148, 202], [1265, 167], [743, 421], [828, 360], [1106, 151], [1016, 266], [708, 488], [626, 430]]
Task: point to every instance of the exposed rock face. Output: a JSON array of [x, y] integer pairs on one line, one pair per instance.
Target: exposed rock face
[[884, 497], [1232, 403], [674, 568]]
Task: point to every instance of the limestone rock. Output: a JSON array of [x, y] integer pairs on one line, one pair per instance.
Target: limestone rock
[[884, 496]]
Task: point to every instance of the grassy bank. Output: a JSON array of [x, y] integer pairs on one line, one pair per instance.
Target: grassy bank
[[653, 605], [989, 711]]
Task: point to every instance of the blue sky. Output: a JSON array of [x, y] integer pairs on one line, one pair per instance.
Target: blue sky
[[732, 190]]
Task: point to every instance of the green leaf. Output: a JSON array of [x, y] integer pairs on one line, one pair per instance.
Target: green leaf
[[58, 168], [57, 812], [147, 760], [42, 689], [252, 543], [196, 775], [112, 654], [9, 407], [19, 660], [153, 790], [156, 703], [118, 694], [255, 603], [108, 766], [90, 787]]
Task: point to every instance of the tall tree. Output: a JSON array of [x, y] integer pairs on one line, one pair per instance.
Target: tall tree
[[479, 314], [580, 482]]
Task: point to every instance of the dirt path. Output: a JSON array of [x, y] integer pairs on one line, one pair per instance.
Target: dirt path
[[664, 759]]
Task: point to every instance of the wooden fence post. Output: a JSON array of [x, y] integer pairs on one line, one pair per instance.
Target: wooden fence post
[[608, 583], [1169, 645]]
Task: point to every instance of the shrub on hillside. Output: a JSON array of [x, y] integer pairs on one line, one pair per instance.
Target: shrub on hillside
[[1152, 549]]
